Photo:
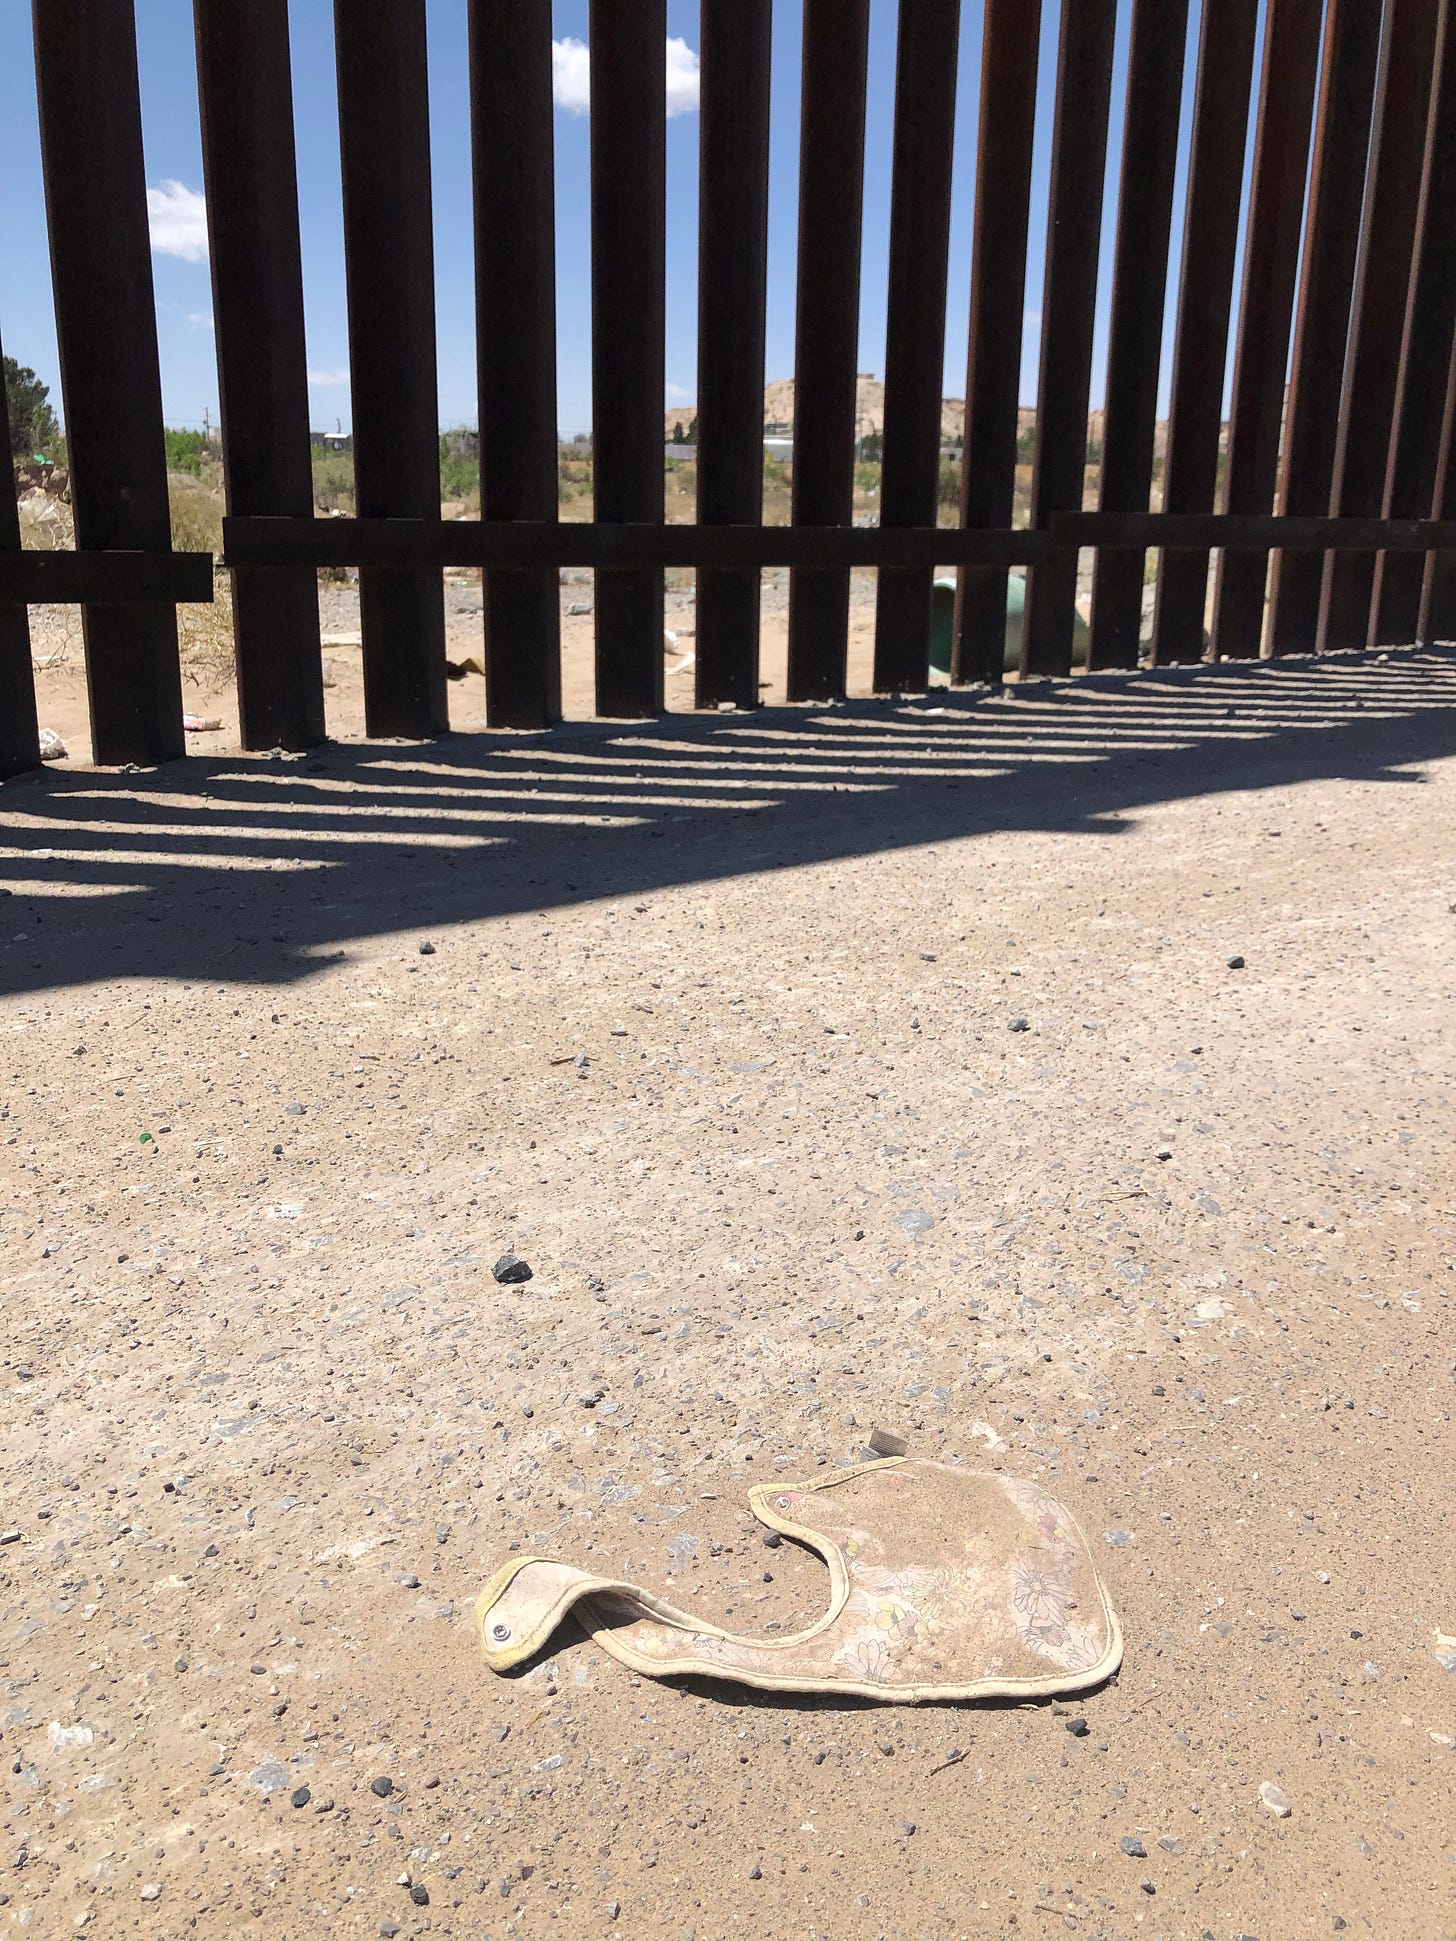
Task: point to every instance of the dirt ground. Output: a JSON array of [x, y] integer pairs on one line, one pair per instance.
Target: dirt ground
[[209, 692], [712, 1020]]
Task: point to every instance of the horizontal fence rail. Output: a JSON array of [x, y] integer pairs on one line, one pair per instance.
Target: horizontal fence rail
[[1295, 496]]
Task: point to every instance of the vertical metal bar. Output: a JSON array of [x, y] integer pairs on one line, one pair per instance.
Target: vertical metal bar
[[1382, 286], [1010, 38], [1322, 314], [628, 215], [384, 145], [106, 331], [1266, 305], [1425, 355], [925, 88], [1205, 290], [19, 733], [1069, 302], [831, 202], [733, 113], [1135, 336], [245, 95], [1438, 595], [512, 168]]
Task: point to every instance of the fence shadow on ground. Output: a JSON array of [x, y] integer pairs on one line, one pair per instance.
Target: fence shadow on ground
[[249, 869]]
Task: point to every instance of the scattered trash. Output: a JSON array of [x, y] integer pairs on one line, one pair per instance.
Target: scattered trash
[[1276, 1799], [1054, 1629], [510, 1271], [52, 748], [202, 724], [577, 608], [885, 1444]]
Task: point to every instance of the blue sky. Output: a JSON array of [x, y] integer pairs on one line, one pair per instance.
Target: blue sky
[[173, 157]]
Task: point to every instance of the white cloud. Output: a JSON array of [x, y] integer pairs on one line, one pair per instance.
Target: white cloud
[[682, 78], [679, 394], [329, 377], [178, 219], [571, 77], [200, 319]]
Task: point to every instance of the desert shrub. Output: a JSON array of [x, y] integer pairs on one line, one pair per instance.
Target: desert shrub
[[333, 481], [196, 517], [185, 451], [459, 471]]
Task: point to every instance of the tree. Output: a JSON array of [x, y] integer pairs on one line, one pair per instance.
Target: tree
[[33, 424]]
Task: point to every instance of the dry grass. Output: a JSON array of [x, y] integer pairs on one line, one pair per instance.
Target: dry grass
[[196, 515], [45, 526], [205, 637]]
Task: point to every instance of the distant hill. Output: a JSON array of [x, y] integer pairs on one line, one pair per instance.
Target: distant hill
[[869, 411]]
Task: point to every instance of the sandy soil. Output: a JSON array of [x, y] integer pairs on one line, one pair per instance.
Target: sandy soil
[[714, 1027], [209, 693]]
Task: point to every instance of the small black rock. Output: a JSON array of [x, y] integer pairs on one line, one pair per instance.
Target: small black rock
[[381, 1787], [300, 1796], [1133, 1847], [1019, 1024], [772, 1539], [509, 1271], [1236, 963], [427, 950], [755, 1872], [420, 1894], [1078, 1728]]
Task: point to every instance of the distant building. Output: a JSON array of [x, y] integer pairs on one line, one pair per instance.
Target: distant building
[[331, 441]]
